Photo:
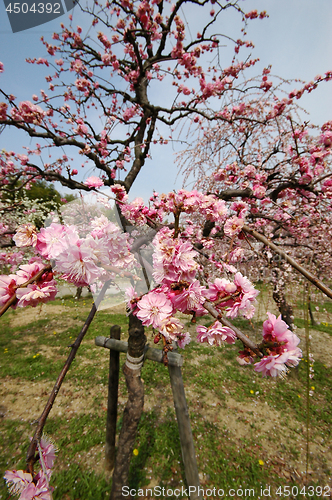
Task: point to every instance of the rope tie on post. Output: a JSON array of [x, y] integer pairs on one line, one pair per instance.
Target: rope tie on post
[[134, 363]]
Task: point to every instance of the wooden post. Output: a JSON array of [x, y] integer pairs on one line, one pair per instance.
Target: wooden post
[[175, 362], [112, 403], [149, 352], [186, 437]]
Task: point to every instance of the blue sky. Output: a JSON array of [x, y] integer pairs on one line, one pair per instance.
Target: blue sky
[[296, 40]]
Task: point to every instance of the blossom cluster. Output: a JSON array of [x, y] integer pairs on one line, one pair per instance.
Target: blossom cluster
[[27, 487], [82, 261], [281, 346]]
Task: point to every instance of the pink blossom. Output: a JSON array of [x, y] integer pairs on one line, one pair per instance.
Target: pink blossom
[[131, 295], [48, 452], [28, 112], [190, 299], [219, 289], [233, 226], [244, 302], [54, 239], [39, 491], [93, 182], [277, 331], [215, 334], [28, 271], [154, 308], [17, 481], [36, 293], [183, 340], [8, 286], [26, 235], [272, 366], [78, 264], [259, 191], [171, 328]]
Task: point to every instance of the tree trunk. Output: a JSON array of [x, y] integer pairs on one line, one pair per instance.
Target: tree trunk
[[279, 296], [134, 407]]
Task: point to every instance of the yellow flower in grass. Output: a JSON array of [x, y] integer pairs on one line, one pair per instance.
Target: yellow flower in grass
[[260, 462], [135, 452]]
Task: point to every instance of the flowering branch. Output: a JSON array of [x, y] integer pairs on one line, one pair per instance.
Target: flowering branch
[[13, 298], [241, 336], [307, 274], [31, 459]]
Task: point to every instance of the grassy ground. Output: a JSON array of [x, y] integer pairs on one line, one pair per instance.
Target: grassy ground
[[249, 432]]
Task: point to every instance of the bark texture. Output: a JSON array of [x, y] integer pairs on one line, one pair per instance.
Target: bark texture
[[132, 412]]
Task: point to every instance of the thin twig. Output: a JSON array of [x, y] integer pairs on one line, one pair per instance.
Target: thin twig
[[307, 274], [74, 348], [13, 298], [246, 341]]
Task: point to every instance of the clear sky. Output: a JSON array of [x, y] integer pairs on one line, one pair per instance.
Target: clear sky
[[296, 40]]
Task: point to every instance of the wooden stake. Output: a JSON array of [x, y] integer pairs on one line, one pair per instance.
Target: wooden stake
[[112, 402], [186, 437]]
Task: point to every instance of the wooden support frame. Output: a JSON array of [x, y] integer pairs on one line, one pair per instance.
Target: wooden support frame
[[112, 401], [175, 361]]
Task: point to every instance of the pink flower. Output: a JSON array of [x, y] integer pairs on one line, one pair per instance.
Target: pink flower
[[48, 452], [17, 481], [78, 264], [54, 239], [259, 191], [26, 235], [190, 299], [34, 294], [28, 112], [39, 491], [154, 308], [272, 366], [8, 286], [28, 271], [131, 295], [215, 334], [233, 226], [171, 328], [94, 182], [183, 340]]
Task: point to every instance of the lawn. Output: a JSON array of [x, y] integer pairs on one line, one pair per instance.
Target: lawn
[[249, 432]]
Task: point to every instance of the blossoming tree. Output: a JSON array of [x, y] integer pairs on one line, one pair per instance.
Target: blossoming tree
[[281, 169], [111, 74]]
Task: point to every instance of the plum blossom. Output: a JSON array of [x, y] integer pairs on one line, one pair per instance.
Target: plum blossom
[[54, 239], [184, 340], [48, 452], [17, 481], [26, 235], [154, 308], [171, 328], [190, 299], [78, 264], [8, 285], [36, 293], [282, 347], [246, 299], [233, 226], [215, 334], [93, 182], [28, 112], [272, 366]]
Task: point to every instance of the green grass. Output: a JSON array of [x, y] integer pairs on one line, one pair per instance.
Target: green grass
[[242, 424]]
